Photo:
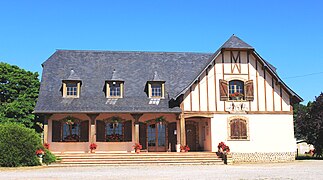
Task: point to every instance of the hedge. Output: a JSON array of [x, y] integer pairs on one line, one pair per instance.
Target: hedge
[[18, 145]]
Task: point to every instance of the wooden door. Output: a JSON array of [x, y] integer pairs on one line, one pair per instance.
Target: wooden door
[[172, 136], [156, 135], [191, 136]]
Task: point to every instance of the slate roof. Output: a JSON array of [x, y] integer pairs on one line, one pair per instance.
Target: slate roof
[[235, 42], [179, 70]]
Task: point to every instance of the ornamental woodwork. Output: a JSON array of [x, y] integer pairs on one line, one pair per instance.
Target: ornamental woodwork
[[249, 90], [235, 61], [224, 90]]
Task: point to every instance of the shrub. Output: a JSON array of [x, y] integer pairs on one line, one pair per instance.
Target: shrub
[[18, 145], [49, 158]]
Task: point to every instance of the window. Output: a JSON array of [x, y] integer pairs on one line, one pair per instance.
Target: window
[[156, 90], [114, 89], [236, 90], [71, 89], [238, 129], [113, 131], [70, 130]]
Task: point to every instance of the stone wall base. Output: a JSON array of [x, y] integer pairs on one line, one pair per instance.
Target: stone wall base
[[263, 157]]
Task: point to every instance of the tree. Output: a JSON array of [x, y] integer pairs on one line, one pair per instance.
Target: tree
[[309, 123], [18, 94], [316, 112]]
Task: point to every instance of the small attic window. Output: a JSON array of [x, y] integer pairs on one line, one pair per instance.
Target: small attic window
[[156, 89], [71, 89], [114, 89]]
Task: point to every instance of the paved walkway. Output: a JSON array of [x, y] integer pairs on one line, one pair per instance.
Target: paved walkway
[[308, 169]]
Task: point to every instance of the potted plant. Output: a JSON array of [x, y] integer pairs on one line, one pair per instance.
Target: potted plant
[[185, 148], [40, 153], [137, 147], [93, 147], [236, 96]]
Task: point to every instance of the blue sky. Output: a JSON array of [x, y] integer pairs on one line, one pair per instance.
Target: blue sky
[[288, 34]]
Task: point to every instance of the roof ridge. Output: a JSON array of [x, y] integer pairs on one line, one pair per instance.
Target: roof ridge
[[118, 51]]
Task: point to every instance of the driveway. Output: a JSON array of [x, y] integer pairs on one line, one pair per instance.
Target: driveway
[[307, 169]]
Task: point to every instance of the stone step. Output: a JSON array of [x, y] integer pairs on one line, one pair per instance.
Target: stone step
[[138, 160], [135, 159], [132, 164]]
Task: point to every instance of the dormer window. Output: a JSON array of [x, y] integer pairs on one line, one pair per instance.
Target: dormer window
[[72, 85], [156, 89], [71, 89], [114, 89]]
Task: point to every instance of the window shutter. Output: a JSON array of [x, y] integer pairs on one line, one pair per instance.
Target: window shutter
[[56, 131], [249, 90], [84, 136], [223, 90], [100, 131], [127, 131]]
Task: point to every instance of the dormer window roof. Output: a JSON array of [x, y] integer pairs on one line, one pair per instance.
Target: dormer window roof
[[71, 85], [114, 86], [156, 87]]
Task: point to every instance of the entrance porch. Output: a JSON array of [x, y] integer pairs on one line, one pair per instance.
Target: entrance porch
[[118, 132]]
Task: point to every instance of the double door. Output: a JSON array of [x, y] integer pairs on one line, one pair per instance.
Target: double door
[[153, 137]]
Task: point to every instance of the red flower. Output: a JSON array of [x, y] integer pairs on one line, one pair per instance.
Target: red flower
[[137, 146], [223, 147], [93, 146], [46, 145], [40, 152], [186, 148]]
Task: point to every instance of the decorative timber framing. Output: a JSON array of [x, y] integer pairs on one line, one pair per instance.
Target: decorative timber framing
[[248, 63], [265, 87], [273, 91], [257, 74], [207, 88], [215, 87], [235, 61]]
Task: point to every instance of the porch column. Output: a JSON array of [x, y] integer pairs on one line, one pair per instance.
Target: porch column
[[45, 131], [183, 131], [136, 116], [136, 132], [45, 127], [93, 127]]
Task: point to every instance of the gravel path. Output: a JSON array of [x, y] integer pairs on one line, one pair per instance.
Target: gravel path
[[309, 169]]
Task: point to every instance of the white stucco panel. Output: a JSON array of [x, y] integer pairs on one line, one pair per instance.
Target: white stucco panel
[[267, 133]]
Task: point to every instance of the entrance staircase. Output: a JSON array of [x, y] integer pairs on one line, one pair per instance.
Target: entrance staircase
[[143, 158]]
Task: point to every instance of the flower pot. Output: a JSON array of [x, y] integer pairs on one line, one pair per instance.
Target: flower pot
[[92, 150], [183, 150], [137, 151]]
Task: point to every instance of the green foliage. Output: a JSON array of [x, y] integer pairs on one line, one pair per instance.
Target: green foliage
[[49, 157], [19, 91], [18, 145], [309, 123]]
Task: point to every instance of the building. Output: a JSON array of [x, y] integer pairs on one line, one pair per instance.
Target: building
[[164, 99]]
